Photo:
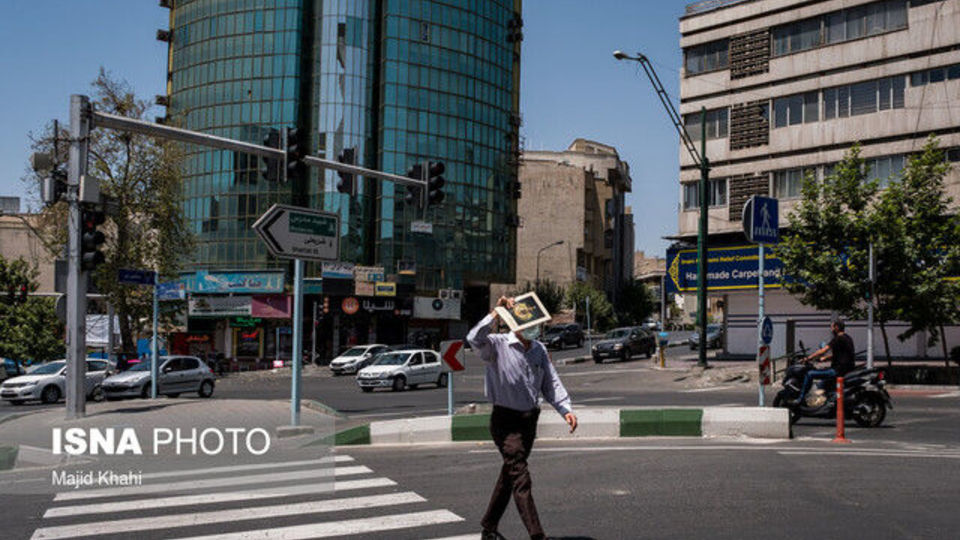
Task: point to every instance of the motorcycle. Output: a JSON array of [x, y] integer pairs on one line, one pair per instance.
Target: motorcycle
[[865, 397]]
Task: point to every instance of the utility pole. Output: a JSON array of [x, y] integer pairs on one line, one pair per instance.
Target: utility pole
[[701, 161], [75, 394]]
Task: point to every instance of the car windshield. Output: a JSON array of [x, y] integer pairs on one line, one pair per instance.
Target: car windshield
[[713, 328], [142, 366], [48, 369], [392, 359], [619, 333], [356, 351]]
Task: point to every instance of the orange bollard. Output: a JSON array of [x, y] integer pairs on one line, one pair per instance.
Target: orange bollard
[[840, 438]]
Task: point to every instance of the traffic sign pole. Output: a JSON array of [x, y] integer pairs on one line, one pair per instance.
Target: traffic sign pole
[[297, 342], [154, 361], [760, 324]]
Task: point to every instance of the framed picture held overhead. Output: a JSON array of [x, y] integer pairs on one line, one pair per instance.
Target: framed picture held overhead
[[527, 311]]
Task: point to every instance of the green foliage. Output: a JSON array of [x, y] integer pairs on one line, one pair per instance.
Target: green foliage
[[824, 250], [601, 310], [550, 293], [29, 331], [919, 246], [145, 229], [635, 303]]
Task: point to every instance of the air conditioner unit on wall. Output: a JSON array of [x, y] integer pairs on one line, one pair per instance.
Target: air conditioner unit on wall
[[456, 295], [444, 294]]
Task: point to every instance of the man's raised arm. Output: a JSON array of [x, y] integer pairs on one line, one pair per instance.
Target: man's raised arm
[[479, 336]]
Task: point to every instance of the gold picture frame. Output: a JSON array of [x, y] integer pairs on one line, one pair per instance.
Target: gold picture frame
[[527, 311]]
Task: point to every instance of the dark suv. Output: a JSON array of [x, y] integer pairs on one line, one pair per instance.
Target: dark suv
[[561, 335], [622, 343]]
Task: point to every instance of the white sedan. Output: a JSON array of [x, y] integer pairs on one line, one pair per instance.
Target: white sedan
[[355, 358], [47, 382]]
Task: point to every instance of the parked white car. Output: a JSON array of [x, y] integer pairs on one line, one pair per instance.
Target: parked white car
[[400, 369], [356, 358], [178, 374], [47, 382]]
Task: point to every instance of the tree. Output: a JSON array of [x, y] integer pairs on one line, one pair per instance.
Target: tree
[[919, 247], [29, 329], [635, 303], [601, 310], [549, 292], [140, 179]]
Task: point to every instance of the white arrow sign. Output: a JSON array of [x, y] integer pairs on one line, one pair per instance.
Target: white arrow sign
[[300, 233]]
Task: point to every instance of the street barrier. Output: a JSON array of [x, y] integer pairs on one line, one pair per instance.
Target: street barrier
[[841, 437]]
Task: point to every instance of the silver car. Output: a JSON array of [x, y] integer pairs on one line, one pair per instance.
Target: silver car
[[47, 382], [178, 374]]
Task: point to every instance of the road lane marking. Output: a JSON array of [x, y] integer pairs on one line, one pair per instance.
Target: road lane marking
[[193, 485], [215, 498], [947, 395], [342, 528], [708, 389], [224, 516], [250, 467], [864, 453]]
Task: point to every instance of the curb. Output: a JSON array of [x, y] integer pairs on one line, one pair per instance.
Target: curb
[[753, 422]]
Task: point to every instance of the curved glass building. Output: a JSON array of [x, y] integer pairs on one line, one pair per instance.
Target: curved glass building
[[395, 81]]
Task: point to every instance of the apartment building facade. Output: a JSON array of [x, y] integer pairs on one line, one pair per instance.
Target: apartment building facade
[[788, 87]]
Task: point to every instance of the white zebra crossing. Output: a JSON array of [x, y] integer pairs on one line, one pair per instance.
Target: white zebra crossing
[[187, 500]]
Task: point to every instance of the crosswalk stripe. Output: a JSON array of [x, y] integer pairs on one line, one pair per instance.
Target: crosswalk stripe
[[224, 516], [209, 483], [214, 498], [251, 467], [340, 528], [461, 537]]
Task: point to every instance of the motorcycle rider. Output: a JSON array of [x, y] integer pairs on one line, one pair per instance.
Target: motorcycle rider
[[840, 351]]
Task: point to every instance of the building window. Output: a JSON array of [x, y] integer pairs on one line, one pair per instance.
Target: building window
[[707, 57], [717, 194], [935, 75], [839, 26], [885, 168], [863, 98], [717, 122], [789, 184], [796, 109]]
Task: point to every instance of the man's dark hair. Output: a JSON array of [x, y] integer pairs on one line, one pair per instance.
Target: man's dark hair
[[839, 324]]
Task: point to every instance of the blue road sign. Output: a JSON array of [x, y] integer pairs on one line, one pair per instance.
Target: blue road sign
[[766, 330], [171, 290], [761, 220], [136, 277]]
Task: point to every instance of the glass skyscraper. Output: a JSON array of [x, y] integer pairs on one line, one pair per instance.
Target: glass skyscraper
[[397, 81]]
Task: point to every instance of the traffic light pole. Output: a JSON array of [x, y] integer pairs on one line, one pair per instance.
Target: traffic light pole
[[702, 241], [75, 394]]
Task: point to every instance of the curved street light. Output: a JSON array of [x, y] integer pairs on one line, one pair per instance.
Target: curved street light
[[544, 248]]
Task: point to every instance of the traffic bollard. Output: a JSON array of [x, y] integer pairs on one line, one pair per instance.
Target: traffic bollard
[[840, 438]]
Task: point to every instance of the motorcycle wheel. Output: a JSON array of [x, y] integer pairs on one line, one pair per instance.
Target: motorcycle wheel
[[869, 411], [781, 401]]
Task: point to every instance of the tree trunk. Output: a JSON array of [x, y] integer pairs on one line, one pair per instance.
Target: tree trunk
[[943, 343], [886, 343]]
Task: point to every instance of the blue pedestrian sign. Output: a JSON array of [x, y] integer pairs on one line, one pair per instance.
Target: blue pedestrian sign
[[136, 277], [766, 330], [761, 220]]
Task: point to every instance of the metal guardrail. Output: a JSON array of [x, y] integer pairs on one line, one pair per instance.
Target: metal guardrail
[[709, 5]]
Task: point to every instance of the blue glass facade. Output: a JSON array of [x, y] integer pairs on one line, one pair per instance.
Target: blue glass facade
[[398, 81]]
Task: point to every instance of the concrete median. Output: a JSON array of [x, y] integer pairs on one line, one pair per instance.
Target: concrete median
[[594, 423]]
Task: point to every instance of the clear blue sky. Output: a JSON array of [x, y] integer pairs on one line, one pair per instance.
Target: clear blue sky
[[572, 87]]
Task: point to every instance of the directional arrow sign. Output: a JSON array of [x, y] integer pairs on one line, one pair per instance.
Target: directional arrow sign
[[450, 351], [291, 232]]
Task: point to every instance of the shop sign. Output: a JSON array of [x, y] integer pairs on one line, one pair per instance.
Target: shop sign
[[364, 288], [385, 288], [245, 322], [406, 268], [337, 270], [234, 282], [379, 305], [368, 273], [272, 306], [219, 306], [350, 305]]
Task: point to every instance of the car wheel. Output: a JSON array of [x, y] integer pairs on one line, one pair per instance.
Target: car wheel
[[625, 355], [97, 394], [580, 343], [16, 402], [442, 380], [50, 394], [597, 360], [399, 384], [145, 391], [173, 395], [650, 352], [367, 389], [206, 389]]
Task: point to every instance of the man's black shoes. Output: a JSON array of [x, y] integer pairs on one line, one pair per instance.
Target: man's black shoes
[[491, 535]]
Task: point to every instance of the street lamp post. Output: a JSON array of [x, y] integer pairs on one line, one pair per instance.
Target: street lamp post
[[544, 248], [702, 163]]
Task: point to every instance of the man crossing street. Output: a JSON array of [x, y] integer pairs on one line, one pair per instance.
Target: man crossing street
[[518, 371]]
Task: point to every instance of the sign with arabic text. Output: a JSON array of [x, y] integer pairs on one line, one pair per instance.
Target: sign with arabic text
[[233, 282], [300, 233]]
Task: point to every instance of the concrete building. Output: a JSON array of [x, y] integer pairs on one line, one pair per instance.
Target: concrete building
[[788, 87], [18, 239], [574, 196]]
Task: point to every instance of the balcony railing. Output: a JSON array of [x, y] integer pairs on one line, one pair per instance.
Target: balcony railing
[[710, 5]]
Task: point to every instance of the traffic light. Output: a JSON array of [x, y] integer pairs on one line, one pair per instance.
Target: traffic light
[[413, 198], [296, 151], [326, 304], [269, 166], [91, 239], [347, 183], [435, 183]]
